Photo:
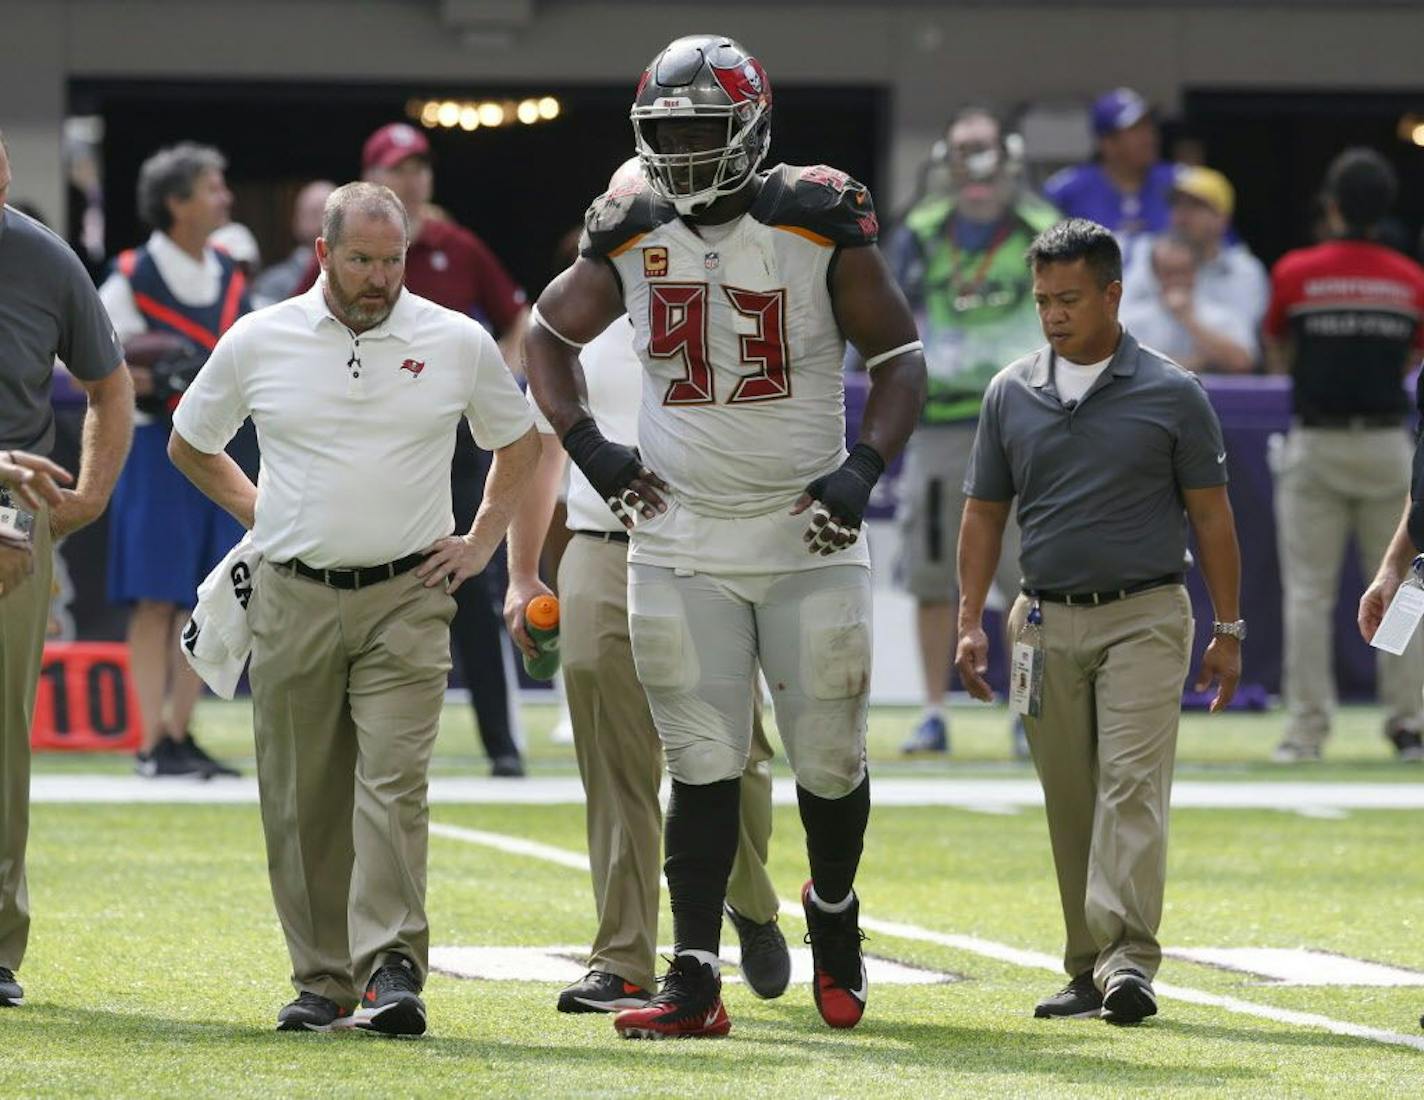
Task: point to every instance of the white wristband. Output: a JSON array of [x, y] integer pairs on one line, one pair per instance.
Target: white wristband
[[885, 356], [537, 318]]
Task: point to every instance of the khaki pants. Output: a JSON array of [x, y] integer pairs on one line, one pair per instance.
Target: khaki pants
[[621, 762], [347, 689], [1104, 745], [929, 510], [24, 618], [1331, 484]]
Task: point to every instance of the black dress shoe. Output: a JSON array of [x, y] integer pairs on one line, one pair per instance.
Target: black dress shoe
[[507, 767], [1128, 998], [1078, 999]]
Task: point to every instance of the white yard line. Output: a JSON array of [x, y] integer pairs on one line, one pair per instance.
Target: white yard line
[[1001, 952], [992, 796]]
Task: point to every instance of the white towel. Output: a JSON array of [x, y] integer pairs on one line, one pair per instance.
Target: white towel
[[217, 640]]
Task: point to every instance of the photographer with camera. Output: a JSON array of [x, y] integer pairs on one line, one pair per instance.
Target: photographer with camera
[[170, 299]]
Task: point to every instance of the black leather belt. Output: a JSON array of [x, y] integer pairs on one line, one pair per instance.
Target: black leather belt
[[352, 579], [1074, 599], [605, 536], [1371, 420]]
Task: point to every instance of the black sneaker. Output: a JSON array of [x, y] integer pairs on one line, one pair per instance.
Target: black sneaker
[[1128, 998], [392, 1004], [1076, 1000], [766, 964], [11, 995], [206, 764], [688, 1006], [600, 991], [838, 980], [167, 758], [313, 1012], [507, 767], [1408, 742]]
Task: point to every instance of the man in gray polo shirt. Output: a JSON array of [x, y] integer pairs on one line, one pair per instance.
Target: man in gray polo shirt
[[48, 309], [1110, 449]]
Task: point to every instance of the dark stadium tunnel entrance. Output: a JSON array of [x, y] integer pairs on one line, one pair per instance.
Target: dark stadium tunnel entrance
[[520, 187], [1275, 147]]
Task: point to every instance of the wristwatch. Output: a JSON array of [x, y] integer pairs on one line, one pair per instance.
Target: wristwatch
[[1235, 630]]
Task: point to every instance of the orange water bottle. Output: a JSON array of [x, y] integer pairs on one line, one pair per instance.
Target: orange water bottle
[[541, 620]]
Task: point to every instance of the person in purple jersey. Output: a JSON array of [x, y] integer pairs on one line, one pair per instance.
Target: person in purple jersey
[[1127, 187]]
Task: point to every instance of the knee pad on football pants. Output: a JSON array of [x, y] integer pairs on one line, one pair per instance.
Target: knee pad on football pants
[[828, 763], [698, 761]]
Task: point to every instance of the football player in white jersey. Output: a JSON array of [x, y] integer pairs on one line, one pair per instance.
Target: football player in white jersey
[[744, 506]]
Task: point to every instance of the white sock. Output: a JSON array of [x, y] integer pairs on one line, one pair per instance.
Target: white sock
[[705, 957], [829, 907], [936, 711]]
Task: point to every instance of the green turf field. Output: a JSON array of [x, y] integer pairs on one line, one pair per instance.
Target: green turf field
[[1227, 746], [156, 963]]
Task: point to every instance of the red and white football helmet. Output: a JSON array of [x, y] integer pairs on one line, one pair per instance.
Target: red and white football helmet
[[703, 76]]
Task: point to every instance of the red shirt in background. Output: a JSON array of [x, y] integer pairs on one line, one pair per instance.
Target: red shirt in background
[[452, 267], [1353, 311]]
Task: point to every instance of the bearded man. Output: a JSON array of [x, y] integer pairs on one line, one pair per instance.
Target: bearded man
[[355, 388]]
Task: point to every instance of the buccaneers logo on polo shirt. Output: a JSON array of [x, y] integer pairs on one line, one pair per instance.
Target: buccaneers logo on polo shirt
[[415, 366]]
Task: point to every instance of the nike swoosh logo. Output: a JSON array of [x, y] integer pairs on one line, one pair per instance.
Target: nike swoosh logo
[[1221, 457], [860, 994]]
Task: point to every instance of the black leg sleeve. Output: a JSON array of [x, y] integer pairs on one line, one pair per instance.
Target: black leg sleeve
[[701, 839], [835, 836]]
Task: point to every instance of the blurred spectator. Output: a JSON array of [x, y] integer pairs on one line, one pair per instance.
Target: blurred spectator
[[280, 281], [959, 258], [450, 265], [1127, 187], [170, 299], [446, 263], [237, 241], [1194, 295], [1168, 313], [1345, 321]]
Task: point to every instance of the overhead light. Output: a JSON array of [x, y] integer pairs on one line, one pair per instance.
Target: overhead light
[[471, 115], [1411, 128]]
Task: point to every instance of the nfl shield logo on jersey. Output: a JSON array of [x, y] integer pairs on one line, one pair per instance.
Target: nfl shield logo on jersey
[[711, 261]]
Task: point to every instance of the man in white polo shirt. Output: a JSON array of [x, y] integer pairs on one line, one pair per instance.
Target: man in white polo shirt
[[355, 388]]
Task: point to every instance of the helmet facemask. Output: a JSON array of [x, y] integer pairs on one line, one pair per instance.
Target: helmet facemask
[[676, 176]]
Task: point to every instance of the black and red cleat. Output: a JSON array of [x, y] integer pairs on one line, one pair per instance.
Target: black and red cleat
[[688, 1006], [838, 981]]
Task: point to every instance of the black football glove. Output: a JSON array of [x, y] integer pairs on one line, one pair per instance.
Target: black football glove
[[841, 498], [610, 467]]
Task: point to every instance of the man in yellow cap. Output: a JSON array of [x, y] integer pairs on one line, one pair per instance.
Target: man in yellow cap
[[1195, 294]]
